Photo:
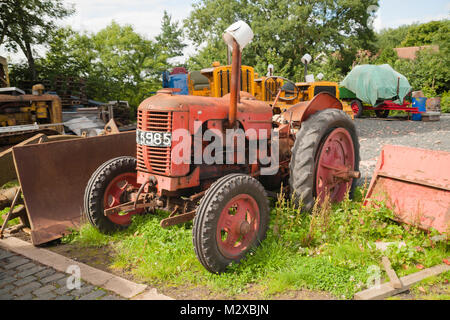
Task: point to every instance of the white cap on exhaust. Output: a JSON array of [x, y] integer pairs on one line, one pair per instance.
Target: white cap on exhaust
[[239, 31], [306, 59]]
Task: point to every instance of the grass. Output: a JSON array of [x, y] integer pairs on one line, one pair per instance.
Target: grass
[[332, 249], [3, 212], [12, 222]]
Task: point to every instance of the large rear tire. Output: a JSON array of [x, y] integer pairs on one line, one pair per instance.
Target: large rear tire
[[232, 218], [107, 188], [327, 138]]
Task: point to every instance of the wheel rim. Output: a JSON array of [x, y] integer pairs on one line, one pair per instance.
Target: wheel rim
[[355, 107], [337, 151], [113, 194], [237, 226]]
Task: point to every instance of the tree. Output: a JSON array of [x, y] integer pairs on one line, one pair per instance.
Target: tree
[[117, 63], [284, 30], [131, 63], [427, 33], [429, 71], [170, 38], [393, 37], [26, 23]]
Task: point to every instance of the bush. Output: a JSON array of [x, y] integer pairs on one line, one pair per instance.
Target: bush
[[445, 102]]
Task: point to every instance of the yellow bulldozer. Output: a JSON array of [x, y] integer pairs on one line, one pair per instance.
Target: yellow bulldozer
[[23, 115]]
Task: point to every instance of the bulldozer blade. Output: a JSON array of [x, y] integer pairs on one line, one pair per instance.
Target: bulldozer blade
[[415, 184], [7, 171], [54, 175]]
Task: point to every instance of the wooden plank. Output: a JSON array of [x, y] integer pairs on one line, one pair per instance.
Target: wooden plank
[[386, 290], [395, 281]]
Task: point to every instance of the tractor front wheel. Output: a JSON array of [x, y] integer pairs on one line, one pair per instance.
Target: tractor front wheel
[[108, 187], [231, 219]]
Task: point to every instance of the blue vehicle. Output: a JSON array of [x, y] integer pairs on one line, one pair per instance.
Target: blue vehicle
[[178, 78]]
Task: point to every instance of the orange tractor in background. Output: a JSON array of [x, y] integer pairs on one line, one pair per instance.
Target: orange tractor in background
[[177, 135]]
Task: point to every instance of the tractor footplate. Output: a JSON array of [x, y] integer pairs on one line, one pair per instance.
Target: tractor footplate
[[181, 218]]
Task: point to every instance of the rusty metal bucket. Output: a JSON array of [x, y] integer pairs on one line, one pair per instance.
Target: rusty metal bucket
[[53, 177], [415, 184]]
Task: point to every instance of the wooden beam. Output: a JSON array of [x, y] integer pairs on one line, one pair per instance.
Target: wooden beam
[[386, 290], [395, 281]]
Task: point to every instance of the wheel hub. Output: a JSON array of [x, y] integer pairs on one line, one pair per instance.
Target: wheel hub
[[355, 108], [117, 193], [244, 228]]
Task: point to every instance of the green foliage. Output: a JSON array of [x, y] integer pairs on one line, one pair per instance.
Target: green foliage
[[393, 37], [170, 38], [429, 71], [445, 102], [332, 249], [387, 56], [427, 33], [11, 222], [26, 23], [284, 31], [117, 63]]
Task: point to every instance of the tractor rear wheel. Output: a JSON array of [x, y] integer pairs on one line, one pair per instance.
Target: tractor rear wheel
[[108, 187], [325, 141], [231, 219], [357, 108]]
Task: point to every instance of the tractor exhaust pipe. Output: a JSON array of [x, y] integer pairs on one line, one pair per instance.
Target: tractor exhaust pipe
[[237, 36], [235, 83]]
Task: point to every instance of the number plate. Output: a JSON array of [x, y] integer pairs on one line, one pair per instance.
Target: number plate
[[154, 139]]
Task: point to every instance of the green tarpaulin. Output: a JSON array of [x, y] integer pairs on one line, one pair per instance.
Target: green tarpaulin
[[373, 83]]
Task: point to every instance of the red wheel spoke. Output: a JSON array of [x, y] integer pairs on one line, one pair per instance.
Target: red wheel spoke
[[240, 225], [231, 239]]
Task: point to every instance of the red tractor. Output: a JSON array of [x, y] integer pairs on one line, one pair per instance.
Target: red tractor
[[314, 146]]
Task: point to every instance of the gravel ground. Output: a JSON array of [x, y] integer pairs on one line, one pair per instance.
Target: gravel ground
[[374, 133]]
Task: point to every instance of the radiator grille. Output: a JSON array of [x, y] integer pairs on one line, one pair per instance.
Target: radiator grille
[[158, 157]]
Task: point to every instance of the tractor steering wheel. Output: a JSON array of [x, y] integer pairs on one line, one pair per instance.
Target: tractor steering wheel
[[296, 90]]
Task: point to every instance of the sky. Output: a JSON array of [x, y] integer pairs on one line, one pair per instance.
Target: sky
[[146, 15]]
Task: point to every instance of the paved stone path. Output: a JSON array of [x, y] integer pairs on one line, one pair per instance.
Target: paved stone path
[[23, 279]]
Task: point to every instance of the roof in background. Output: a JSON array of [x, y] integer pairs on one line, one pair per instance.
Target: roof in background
[[411, 52]]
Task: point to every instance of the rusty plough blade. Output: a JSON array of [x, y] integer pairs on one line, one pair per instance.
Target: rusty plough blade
[[53, 177], [415, 184]]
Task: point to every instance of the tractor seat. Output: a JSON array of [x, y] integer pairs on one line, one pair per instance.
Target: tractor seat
[[200, 81]]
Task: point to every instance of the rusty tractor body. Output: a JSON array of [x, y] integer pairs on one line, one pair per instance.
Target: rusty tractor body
[[226, 197]]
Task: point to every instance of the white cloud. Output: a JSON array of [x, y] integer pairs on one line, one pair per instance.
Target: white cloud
[[145, 16], [378, 23], [425, 19]]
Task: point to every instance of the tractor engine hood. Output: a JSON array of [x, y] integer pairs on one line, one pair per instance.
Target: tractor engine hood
[[217, 108]]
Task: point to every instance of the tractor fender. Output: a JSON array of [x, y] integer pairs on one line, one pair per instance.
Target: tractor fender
[[302, 111]]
